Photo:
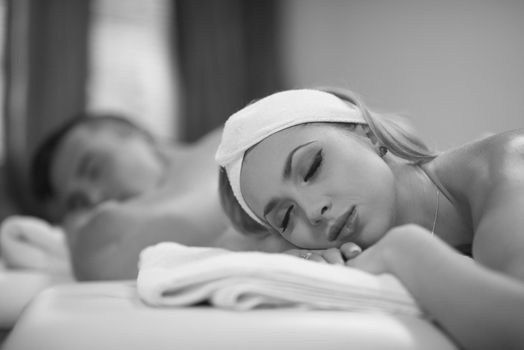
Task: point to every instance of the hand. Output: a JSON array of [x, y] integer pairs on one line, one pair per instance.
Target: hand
[[399, 241], [336, 256], [350, 250]]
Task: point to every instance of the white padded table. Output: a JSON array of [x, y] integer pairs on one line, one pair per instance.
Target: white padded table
[[109, 315], [17, 289]]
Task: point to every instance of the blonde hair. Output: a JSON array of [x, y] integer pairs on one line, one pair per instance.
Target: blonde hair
[[390, 131]]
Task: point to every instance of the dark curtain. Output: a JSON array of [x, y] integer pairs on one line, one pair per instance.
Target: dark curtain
[[46, 67], [228, 55]]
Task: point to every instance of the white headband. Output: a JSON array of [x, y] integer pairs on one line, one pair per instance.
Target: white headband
[[269, 115]]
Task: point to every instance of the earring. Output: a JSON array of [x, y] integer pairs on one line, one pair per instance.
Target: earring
[[382, 150]]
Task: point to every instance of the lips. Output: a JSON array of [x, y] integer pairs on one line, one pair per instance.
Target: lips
[[345, 224]]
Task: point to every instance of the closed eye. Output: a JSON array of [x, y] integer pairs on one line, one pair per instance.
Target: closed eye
[[98, 167], [315, 165], [77, 201], [285, 221], [89, 167], [93, 171]]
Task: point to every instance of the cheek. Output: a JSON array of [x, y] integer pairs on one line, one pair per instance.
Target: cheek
[[378, 212], [258, 186], [367, 175], [370, 186]]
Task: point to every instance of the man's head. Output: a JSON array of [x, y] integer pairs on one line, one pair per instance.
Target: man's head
[[92, 159]]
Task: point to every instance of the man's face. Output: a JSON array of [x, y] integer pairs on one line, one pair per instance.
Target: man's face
[[95, 165]]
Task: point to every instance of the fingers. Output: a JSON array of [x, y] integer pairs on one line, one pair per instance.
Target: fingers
[[369, 261], [350, 250], [333, 256], [336, 256], [314, 256], [305, 254]]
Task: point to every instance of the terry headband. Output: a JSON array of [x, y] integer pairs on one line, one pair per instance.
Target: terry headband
[[274, 113]]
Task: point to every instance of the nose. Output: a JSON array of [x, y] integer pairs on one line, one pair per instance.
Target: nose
[[95, 194], [316, 210]]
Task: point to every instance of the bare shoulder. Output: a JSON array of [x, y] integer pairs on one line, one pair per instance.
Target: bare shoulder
[[499, 164], [503, 151], [476, 171], [208, 143], [487, 176]]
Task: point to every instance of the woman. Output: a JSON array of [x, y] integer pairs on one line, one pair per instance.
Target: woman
[[321, 170]]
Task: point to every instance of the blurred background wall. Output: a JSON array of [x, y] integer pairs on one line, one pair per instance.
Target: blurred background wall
[[180, 67], [455, 67]]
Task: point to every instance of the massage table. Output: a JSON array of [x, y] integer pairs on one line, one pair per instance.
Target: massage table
[[109, 315], [17, 289]]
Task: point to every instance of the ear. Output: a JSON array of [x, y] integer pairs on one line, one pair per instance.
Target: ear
[[365, 131]]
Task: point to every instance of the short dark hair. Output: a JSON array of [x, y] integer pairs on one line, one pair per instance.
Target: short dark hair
[[44, 156]]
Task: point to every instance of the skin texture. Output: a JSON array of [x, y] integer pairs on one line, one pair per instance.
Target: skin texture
[[479, 302]]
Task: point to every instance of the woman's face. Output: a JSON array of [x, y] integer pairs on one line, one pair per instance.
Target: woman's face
[[93, 165], [320, 185]]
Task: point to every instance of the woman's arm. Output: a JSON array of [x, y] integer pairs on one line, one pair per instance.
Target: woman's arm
[[478, 307], [499, 237]]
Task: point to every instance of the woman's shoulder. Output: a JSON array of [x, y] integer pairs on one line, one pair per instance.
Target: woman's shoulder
[[501, 155], [472, 171], [490, 156], [511, 141]]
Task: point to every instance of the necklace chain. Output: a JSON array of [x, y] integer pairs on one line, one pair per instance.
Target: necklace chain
[[436, 214]]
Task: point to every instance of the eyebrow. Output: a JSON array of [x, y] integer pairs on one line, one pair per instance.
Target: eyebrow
[[289, 160], [286, 174]]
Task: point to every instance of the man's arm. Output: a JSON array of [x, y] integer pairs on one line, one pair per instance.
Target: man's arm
[[108, 244]]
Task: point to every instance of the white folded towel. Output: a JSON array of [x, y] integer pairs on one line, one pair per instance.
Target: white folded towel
[[171, 274], [27, 242]]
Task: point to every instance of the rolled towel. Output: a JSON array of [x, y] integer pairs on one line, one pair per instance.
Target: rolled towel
[[28, 242], [171, 274]]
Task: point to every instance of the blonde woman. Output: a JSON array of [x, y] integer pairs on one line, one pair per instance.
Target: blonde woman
[[321, 170]]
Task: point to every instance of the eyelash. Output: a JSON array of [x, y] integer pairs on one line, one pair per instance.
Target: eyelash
[[313, 169], [93, 172], [285, 221], [317, 162], [95, 168], [77, 202]]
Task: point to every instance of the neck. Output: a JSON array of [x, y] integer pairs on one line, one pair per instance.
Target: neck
[[416, 195]]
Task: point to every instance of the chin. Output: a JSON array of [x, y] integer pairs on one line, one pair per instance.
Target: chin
[[371, 235]]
